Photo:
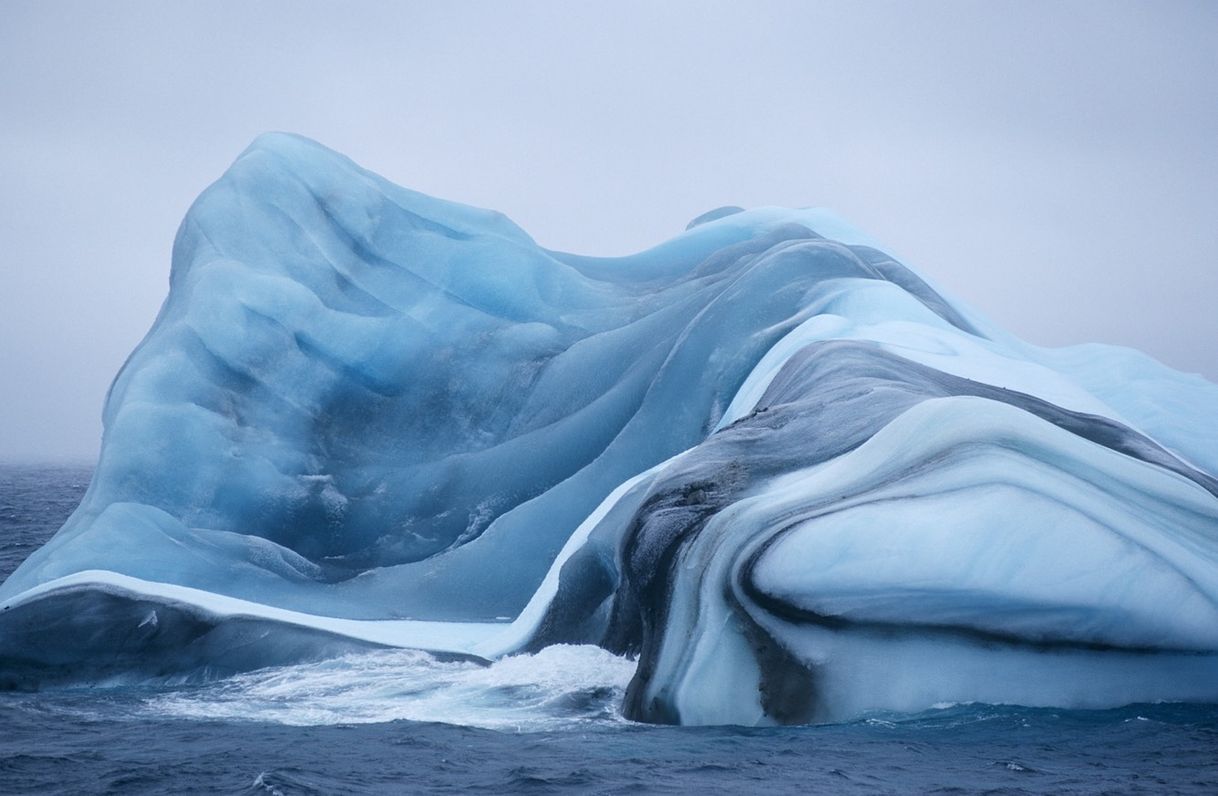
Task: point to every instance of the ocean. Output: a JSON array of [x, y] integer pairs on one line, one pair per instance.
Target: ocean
[[403, 722]]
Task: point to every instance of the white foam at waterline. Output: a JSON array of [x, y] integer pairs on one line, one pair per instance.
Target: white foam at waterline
[[558, 687]]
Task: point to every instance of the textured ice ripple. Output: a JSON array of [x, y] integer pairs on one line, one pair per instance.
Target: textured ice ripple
[[765, 460]]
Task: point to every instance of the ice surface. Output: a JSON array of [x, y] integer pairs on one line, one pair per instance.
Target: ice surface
[[775, 465]]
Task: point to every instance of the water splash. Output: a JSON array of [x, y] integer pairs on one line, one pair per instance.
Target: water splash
[[559, 687]]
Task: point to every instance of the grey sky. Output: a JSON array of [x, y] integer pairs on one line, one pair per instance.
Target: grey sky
[[1053, 164]]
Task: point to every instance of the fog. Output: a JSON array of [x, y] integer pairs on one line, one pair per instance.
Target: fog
[[1055, 165]]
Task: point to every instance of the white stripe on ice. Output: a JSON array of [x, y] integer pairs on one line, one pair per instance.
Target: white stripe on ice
[[485, 639]]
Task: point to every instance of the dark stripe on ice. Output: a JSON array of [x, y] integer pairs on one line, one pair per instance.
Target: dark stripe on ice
[[81, 635], [831, 369], [827, 400]]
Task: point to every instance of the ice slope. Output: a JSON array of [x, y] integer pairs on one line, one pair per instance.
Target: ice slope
[[774, 464]]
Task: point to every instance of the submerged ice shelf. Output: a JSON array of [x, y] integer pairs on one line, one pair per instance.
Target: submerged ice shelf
[[774, 464]]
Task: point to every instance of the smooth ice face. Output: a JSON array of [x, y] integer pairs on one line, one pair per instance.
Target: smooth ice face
[[767, 459]]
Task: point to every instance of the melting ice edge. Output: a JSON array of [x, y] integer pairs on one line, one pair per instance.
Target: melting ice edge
[[765, 458]]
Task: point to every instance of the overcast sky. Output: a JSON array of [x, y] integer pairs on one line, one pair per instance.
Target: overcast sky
[[1053, 164]]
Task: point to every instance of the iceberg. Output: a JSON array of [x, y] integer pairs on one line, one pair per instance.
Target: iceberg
[[781, 470]]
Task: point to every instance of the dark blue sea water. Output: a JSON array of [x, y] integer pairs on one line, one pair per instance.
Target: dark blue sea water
[[402, 722]]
